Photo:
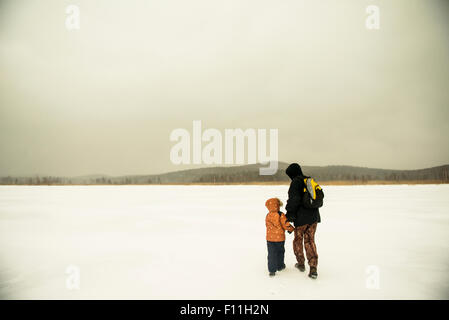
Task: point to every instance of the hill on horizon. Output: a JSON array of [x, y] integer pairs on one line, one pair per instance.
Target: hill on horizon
[[244, 174]]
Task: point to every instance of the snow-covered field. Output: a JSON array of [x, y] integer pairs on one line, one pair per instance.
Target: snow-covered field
[[208, 242]]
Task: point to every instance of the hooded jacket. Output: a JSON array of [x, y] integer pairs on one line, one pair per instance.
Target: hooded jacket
[[276, 222], [296, 213]]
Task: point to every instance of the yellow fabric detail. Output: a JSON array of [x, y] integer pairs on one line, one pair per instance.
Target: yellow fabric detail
[[314, 185]]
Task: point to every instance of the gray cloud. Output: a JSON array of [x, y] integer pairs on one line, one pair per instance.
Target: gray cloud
[[104, 99]]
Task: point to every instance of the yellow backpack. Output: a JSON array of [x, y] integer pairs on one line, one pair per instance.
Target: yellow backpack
[[313, 194]]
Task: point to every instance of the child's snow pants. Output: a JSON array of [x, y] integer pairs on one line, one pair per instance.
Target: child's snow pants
[[275, 255]]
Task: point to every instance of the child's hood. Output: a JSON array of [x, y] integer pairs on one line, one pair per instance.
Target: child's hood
[[273, 204]]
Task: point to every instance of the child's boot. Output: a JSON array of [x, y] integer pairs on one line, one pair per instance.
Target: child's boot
[[272, 274]]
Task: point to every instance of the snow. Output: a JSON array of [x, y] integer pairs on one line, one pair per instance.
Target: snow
[[208, 242]]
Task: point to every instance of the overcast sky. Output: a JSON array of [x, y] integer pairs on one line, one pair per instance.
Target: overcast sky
[[104, 99]]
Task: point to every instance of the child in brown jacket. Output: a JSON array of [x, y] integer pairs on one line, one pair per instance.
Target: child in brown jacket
[[276, 224]]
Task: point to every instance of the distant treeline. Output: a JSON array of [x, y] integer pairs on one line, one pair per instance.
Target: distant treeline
[[244, 174]]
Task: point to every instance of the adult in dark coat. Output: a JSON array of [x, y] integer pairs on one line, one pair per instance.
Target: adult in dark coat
[[304, 219]]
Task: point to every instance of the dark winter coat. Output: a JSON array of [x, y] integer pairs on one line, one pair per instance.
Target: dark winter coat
[[297, 213]]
